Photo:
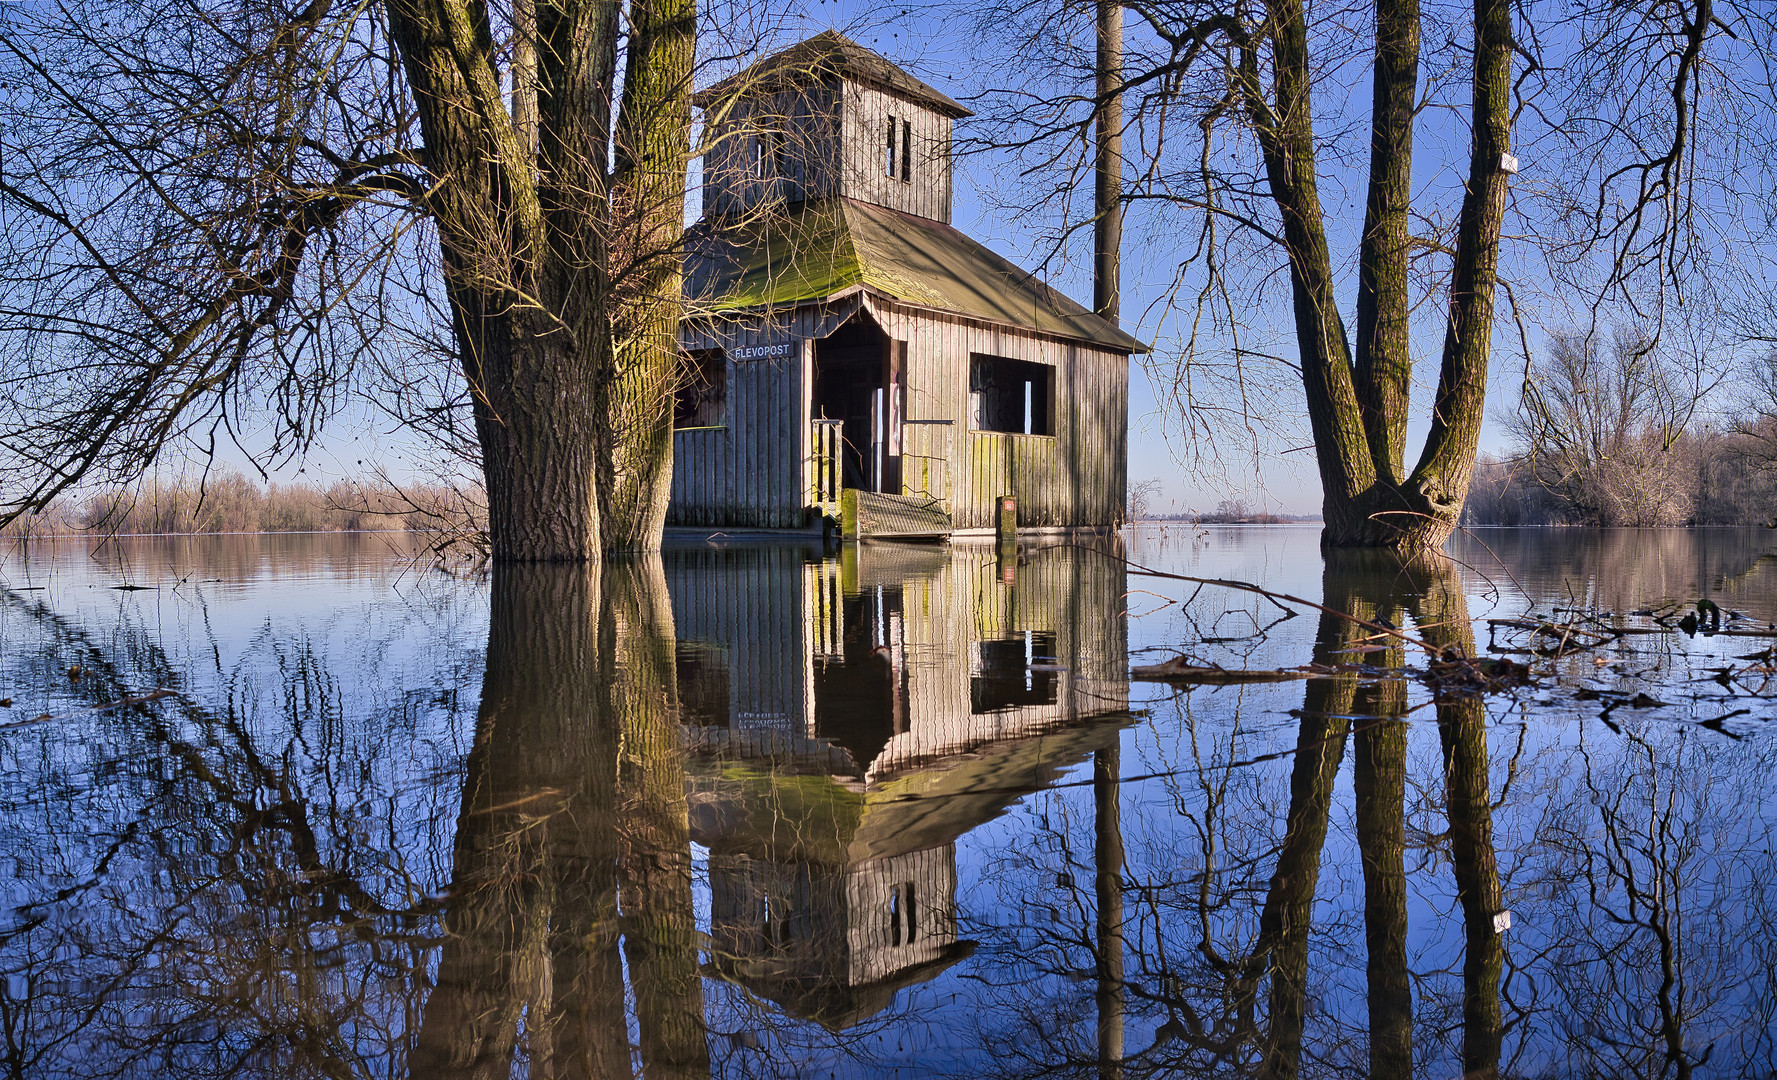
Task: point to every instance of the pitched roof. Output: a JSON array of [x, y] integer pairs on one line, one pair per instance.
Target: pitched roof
[[831, 53], [819, 251]]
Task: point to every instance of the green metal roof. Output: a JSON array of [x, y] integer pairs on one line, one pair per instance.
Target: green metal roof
[[821, 250]]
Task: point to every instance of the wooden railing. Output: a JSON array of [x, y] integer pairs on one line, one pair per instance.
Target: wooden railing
[[827, 465]]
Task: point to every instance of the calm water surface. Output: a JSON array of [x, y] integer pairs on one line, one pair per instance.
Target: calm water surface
[[761, 811]]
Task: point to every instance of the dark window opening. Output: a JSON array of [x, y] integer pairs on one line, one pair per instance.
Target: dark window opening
[[1013, 396], [701, 399], [1015, 671], [888, 168], [702, 671], [903, 915], [906, 151]]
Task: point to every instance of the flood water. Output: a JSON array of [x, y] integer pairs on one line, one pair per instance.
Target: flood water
[[754, 810]]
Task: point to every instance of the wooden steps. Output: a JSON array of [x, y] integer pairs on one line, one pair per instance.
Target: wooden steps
[[871, 515]]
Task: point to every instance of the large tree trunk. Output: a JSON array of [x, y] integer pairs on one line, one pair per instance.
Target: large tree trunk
[[561, 265], [1357, 406], [648, 192]]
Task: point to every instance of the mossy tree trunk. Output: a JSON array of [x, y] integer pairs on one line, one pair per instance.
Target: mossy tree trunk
[[636, 401], [1357, 405], [560, 264]]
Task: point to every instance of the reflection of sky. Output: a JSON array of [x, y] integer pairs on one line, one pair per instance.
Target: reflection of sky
[[390, 658]]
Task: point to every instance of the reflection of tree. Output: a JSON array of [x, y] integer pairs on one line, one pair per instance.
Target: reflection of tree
[[659, 923], [573, 832], [1441, 611], [532, 915], [1655, 859]]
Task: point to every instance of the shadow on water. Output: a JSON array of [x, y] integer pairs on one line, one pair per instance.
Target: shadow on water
[[756, 812]]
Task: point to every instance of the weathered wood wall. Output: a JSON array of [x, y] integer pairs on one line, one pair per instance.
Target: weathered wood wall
[[808, 119], [1075, 477], [835, 140], [756, 468], [927, 192]]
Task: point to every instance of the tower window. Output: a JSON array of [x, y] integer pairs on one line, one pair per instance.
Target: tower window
[[888, 168], [906, 150], [770, 155]]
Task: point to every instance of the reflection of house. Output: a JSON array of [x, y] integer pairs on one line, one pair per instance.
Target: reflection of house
[[844, 335], [851, 719]]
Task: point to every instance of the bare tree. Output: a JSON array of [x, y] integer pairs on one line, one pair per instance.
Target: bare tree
[[214, 209], [1604, 429], [1230, 140]]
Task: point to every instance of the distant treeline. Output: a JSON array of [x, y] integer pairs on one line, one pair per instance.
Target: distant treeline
[[1228, 512], [1714, 478], [228, 502]]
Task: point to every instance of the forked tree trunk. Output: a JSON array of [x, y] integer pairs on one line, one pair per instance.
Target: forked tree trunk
[[562, 270], [1357, 406]]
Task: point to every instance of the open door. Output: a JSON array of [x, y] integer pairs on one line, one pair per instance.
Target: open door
[[888, 410], [860, 382]]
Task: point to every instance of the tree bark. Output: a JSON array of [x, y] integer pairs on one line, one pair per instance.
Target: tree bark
[[648, 195], [1384, 362], [560, 264], [1107, 201], [1357, 406]]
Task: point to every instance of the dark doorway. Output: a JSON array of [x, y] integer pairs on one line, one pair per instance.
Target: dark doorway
[[860, 381], [860, 696]]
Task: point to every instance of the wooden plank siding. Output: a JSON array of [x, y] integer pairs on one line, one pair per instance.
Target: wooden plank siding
[[806, 118], [864, 129], [1075, 477], [756, 470]]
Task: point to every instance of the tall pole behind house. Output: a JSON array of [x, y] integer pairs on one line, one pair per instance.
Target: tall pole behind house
[[1107, 205]]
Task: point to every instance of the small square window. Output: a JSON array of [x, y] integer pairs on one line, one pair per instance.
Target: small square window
[[701, 399], [1013, 396]]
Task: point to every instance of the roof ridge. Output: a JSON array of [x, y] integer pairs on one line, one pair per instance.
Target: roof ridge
[[831, 52]]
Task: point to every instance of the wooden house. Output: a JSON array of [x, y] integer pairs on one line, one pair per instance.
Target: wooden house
[[849, 720], [843, 337]]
